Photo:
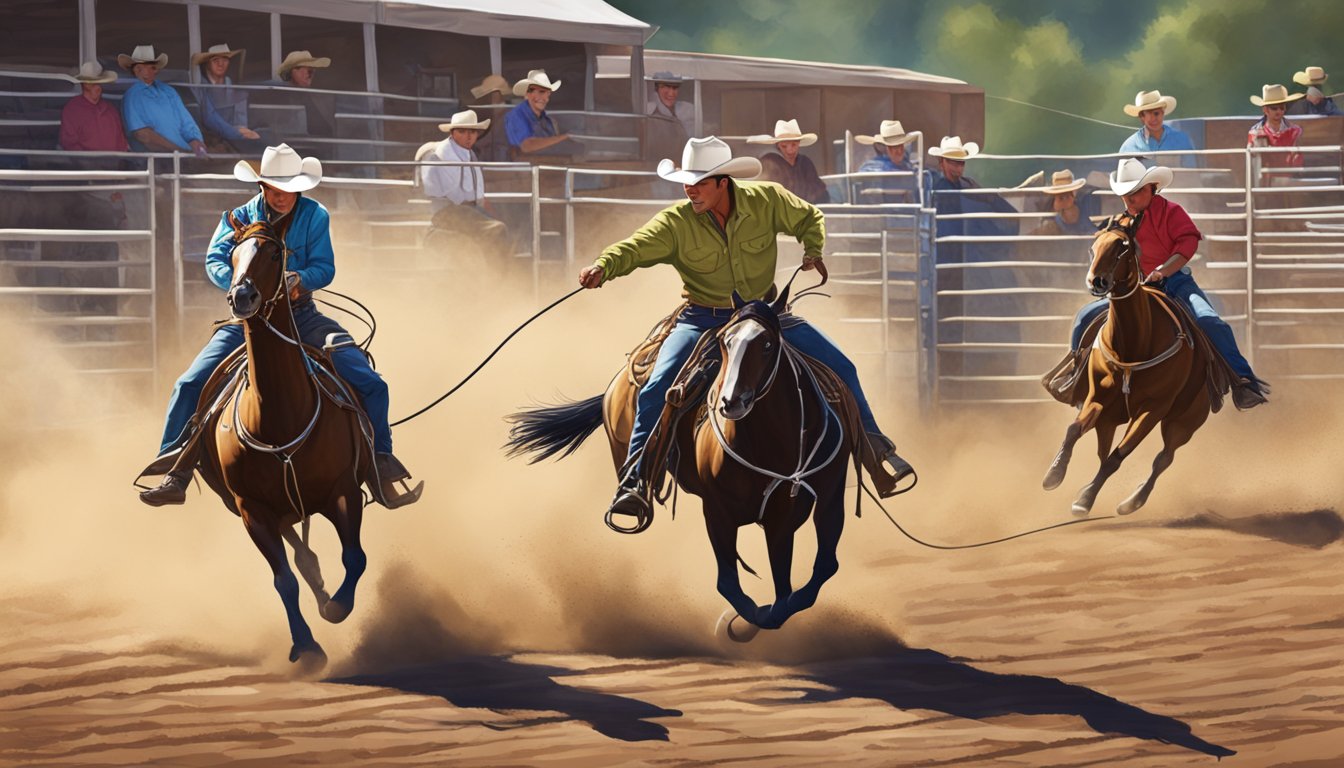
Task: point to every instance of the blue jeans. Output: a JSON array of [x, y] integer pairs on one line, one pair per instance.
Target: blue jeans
[[1182, 286], [313, 329], [690, 326]]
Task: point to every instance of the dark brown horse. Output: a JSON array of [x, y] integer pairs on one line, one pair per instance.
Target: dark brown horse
[[770, 449], [1145, 369], [287, 443]]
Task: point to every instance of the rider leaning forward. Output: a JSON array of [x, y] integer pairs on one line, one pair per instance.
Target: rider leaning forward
[[1167, 239], [282, 177], [721, 241]]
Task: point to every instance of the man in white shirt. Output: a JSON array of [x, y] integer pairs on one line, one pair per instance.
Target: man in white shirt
[[457, 192], [667, 87]]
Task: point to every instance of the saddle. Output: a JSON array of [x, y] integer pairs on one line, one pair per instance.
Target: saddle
[[1067, 381]]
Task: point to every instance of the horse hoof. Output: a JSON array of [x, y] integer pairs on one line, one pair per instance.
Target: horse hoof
[[1053, 478], [310, 659], [1080, 511], [1128, 507], [733, 627], [334, 612]]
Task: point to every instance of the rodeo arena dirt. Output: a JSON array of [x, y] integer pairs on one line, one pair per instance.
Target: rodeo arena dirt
[[499, 621]]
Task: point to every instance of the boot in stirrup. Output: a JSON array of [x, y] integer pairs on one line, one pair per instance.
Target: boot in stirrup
[[632, 500], [895, 468], [173, 490], [389, 471]]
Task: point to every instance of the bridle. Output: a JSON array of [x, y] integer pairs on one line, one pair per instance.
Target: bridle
[[1130, 244]]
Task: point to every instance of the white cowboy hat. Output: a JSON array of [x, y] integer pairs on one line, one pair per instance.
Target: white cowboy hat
[[666, 77], [489, 85], [93, 72], [710, 156], [1146, 100], [1063, 181], [282, 168], [1274, 94], [214, 51], [785, 130], [1311, 76], [952, 149], [466, 119], [143, 54], [890, 134], [537, 77], [1131, 175], [301, 59]]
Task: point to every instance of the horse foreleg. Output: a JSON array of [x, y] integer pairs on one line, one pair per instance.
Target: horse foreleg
[[829, 520], [723, 539], [267, 538], [347, 516], [1175, 433], [779, 545], [1086, 418], [1138, 429], [305, 559]]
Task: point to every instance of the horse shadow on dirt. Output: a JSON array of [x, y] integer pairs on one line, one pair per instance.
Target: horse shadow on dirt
[[497, 683], [923, 679], [1315, 529]]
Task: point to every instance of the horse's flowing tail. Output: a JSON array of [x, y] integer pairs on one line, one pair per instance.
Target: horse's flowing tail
[[553, 429]]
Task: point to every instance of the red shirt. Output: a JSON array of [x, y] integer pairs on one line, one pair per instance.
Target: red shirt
[[89, 127], [1261, 135], [1165, 229]]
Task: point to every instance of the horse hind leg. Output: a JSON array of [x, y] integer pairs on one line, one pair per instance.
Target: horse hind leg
[[1176, 432], [305, 560], [347, 516], [305, 650]]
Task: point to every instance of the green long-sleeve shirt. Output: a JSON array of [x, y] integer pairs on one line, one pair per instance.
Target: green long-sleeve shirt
[[710, 268]]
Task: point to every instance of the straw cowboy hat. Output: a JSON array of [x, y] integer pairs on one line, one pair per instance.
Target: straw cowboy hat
[[785, 130], [489, 85], [536, 77], [301, 59], [1063, 181], [710, 156], [1274, 94], [1311, 76], [282, 168], [668, 78], [143, 54], [1146, 100], [1131, 175], [465, 119], [952, 149], [215, 51], [93, 72], [890, 134]]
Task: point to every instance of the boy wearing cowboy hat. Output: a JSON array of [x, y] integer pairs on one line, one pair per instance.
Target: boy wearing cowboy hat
[[787, 167], [889, 156], [1167, 239], [1274, 130], [305, 226], [457, 192], [666, 89], [224, 108], [721, 241], [89, 124], [1316, 102], [1151, 107], [153, 112], [529, 129]]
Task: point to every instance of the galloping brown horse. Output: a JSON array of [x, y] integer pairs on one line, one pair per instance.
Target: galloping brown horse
[[769, 449], [287, 443], [1147, 367]]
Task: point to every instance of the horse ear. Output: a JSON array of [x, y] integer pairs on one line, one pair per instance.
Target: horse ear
[[738, 301], [782, 303]]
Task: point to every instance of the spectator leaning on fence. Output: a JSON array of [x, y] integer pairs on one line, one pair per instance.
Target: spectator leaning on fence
[[666, 88], [1151, 107], [492, 92], [1274, 130], [787, 166], [529, 128], [296, 71], [154, 114], [889, 156], [1316, 101], [223, 107], [89, 124], [457, 192], [1068, 218]]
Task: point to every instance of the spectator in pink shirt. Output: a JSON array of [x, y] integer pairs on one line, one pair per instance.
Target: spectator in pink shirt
[[89, 124], [1274, 130]]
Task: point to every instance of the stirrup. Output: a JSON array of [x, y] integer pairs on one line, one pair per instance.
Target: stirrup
[[630, 503], [384, 488]]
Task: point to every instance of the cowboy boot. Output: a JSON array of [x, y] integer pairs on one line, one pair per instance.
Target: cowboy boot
[[896, 469], [1248, 393], [389, 471], [173, 489], [632, 499]]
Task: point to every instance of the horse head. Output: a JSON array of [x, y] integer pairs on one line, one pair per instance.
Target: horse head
[[258, 269], [1115, 258], [751, 345]]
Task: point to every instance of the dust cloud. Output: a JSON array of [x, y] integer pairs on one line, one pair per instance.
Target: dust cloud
[[502, 556]]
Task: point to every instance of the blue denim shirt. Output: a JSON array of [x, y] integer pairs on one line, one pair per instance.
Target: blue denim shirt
[[522, 123], [1173, 140], [159, 107], [223, 109], [308, 240]]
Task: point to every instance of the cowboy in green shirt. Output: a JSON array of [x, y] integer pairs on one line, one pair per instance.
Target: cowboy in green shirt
[[721, 241]]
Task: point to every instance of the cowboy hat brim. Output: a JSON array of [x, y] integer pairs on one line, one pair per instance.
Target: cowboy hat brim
[[886, 141], [309, 176], [1075, 185], [199, 58], [484, 125], [108, 76], [1158, 174], [128, 64], [1261, 102], [1301, 79], [806, 140], [321, 62], [966, 152], [1167, 103], [520, 87], [737, 167]]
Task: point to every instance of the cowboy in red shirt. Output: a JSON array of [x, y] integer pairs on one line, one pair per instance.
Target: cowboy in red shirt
[[89, 124], [1274, 130]]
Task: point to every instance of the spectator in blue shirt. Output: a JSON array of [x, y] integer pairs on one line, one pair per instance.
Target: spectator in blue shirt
[[1316, 102], [889, 146], [154, 114], [529, 129], [223, 107], [1151, 107]]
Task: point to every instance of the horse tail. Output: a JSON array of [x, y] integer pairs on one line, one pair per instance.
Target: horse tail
[[553, 429]]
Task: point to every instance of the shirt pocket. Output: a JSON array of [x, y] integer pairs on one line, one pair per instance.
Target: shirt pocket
[[755, 245], [703, 259]]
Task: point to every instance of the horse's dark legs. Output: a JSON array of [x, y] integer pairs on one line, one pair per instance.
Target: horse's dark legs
[[349, 515], [723, 538], [267, 538], [305, 559], [779, 544], [829, 520], [1086, 418], [1138, 429]]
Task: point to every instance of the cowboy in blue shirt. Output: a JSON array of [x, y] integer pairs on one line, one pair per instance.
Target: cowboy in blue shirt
[[528, 128], [1151, 107], [283, 177], [153, 113]]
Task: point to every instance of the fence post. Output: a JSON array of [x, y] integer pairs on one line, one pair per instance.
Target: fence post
[[1250, 262], [536, 233], [926, 325], [178, 292], [151, 187], [569, 219]]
